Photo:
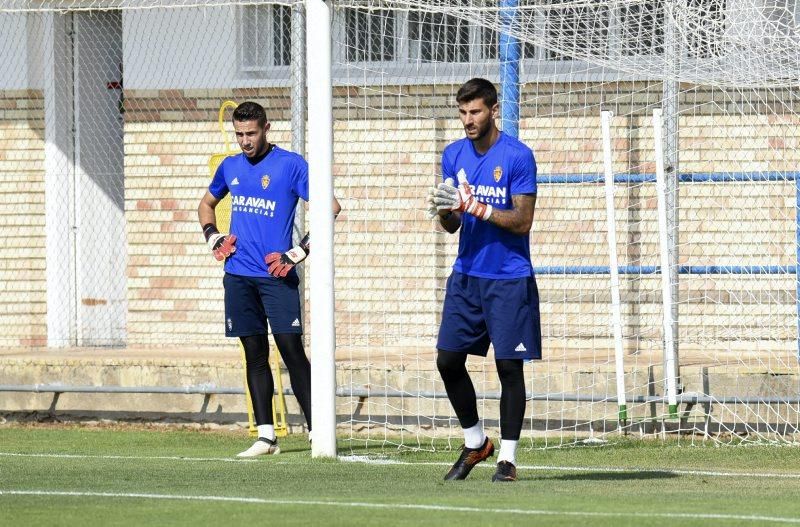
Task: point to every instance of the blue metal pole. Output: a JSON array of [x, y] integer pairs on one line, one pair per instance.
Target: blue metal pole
[[509, 70], [683, 269], [690, 177]]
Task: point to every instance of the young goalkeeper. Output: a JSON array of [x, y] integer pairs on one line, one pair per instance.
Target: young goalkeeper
[[489, 192], [260, 281]]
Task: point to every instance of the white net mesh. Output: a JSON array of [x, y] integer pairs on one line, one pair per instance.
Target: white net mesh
[[109, 116], [707, 42]]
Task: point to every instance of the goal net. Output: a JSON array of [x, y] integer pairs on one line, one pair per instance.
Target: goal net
[[724, 75], [110, 115]]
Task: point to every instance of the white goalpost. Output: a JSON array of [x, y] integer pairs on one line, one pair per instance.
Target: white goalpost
[[320, 167]]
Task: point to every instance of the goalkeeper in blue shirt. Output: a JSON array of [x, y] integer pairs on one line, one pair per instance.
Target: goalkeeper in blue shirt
[[265, 182], [489, 193]]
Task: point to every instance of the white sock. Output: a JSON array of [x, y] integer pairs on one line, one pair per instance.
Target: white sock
[[474, 436], [508, 451], [267, 431]]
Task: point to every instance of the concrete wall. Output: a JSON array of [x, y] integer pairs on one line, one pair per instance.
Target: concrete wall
[[417, 418]]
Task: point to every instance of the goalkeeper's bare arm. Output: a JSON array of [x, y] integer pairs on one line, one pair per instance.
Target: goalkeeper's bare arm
[[221, 245]]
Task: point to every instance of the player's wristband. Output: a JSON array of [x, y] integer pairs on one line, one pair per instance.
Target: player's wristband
[[209, 229]]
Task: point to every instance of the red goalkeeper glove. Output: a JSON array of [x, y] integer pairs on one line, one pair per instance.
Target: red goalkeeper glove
[[279, 264], [221, 245]]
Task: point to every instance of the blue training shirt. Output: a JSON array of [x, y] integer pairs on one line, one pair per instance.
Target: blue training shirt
[[508, 168], [263, 201]]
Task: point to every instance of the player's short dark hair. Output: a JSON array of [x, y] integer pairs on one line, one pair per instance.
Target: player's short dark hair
[[477, 88], [250, 111]]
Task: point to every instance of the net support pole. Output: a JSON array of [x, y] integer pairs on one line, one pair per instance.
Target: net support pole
[[671, 106], [611, 227], [797, 257], [320, 167], [509, 53], [299, 120], [671, 387]]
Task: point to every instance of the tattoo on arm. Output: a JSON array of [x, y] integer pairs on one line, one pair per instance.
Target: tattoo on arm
[[519, 218]]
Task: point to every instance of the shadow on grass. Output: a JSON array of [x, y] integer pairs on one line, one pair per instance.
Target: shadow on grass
[[611, 476]]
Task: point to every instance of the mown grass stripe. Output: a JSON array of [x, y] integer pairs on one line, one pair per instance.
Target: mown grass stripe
[[400, 506]]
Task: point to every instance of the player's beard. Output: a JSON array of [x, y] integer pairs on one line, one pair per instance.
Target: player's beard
[[482, 132]]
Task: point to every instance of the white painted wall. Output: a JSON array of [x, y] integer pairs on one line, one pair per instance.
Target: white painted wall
[[14, 52], [204, 41], [163, 49], [99, 185]]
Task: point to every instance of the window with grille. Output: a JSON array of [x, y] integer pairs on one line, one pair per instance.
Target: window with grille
[[489, 46], [709, 26], [436, 37], [265, 38], [580, 30], [642, 28], [370, 35]]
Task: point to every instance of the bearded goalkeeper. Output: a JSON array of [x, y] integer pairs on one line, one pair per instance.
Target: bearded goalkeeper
[[489, 194]]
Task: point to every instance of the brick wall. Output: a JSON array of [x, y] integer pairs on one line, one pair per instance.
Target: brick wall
[[22, 267], [391, 262]]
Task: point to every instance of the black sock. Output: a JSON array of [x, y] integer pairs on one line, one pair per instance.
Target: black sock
[[294, 357], [452, 367], [259, 377], [512, 398]]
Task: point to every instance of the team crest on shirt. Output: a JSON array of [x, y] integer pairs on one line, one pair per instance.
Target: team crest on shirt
[[498, 173], [264, 181]]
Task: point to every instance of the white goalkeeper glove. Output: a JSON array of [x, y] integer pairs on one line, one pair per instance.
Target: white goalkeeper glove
[[447, 197], [433, 209]]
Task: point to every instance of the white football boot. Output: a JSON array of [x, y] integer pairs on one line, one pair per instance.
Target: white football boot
[[262, 447]]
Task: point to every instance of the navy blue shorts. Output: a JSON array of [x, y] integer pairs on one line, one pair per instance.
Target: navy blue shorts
[[251, 301], [478, 311]]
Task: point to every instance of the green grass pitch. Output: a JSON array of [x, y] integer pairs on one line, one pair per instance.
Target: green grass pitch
[[134, 476]]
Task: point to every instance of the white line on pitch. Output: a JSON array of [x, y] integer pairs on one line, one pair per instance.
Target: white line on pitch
[[391, 506], [103, 456], [677, 471]]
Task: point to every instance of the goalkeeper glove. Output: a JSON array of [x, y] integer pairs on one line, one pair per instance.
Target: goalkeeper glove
[[221, 245], [279, 264], [448, 197], [433, 208]]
